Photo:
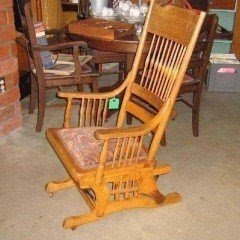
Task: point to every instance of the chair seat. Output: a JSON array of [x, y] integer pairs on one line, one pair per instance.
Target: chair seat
[[84, 148], [189, 80], [52, 79]]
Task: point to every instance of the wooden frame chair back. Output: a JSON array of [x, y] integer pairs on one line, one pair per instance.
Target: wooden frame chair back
[[202, 50], [164, 69], [34, 56]]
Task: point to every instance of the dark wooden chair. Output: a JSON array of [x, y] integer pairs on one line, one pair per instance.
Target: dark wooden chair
[[60, 20], [197, 69], [115, 168], [41, 81]]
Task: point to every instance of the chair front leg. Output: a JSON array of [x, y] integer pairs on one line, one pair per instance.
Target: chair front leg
[[195, 112], [54, 186], [33, 95], [41, 106]]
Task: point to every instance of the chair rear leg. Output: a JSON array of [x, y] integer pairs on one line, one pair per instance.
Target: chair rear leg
[[80, 87], [41, 107], [163, 140], [129, 118], [195, 113], [122, 67], [95, 87], [33, 95]]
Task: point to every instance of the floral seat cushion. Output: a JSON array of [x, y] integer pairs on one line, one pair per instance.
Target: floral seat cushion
[[85, 149]]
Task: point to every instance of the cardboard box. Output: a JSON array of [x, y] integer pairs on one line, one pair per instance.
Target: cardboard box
[[224, 76]]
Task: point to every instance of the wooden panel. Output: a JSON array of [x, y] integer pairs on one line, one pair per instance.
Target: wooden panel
[[236, 34], [222, 4], [172, 17], [199, 4]]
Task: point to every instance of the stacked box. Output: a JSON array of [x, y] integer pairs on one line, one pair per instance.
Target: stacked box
[[224, 76]]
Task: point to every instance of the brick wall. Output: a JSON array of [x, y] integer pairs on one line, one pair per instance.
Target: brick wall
[[10, 110]]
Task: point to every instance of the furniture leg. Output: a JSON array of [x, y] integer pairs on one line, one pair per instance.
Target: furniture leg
[[33, 95], [80, 87], [163, 140], [55, 186], [195, 113], [129, 119], [41, 107], [74, 221], [104, 207], [95, 86], [122, 67]]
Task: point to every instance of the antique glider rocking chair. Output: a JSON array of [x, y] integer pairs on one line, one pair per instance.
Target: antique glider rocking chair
[[112, 168]]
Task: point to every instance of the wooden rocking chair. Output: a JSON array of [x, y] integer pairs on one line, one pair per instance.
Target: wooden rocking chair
[[111, 167]]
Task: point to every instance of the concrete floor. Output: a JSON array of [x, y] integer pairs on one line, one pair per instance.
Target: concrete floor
[[206, 171]]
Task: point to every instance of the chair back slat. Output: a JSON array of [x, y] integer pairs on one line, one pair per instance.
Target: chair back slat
[[93, 112], [138, 111], [127, 151], [145, 93]]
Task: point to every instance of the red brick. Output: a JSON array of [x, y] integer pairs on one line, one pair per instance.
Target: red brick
[[3, 18], [14, 49], [5, 51], [11, 80], [15, 78], [12, 124], [1, 132], [7, 33], [6, 3], [8, 66], [6, 17], [7, 113], [9, 97], [10, 16], [18, 109]]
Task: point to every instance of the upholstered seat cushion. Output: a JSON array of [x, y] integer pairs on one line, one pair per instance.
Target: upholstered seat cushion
[[85, 149], [189, 80]]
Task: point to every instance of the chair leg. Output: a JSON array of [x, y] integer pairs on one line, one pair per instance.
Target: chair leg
[[52, 187], [195, 113], [163, 140], [129, 119], [95, 87], [33, 95], [147, 195], [74, 221], [80, 87], [122, 67], [41, 107]]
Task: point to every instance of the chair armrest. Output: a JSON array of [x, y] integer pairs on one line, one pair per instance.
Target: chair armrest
[[93, 106], [103, 95], [59, 31], [111, 133], [59, 46]]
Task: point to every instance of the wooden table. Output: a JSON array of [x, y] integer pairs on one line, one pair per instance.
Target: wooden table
[[127, 45]]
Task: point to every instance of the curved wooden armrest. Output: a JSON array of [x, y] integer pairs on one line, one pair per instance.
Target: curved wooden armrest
[[59, 46], [81, 95], [106, 134], [56, 31]]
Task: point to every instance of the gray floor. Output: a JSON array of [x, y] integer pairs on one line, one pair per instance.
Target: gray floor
[[205, 170]]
